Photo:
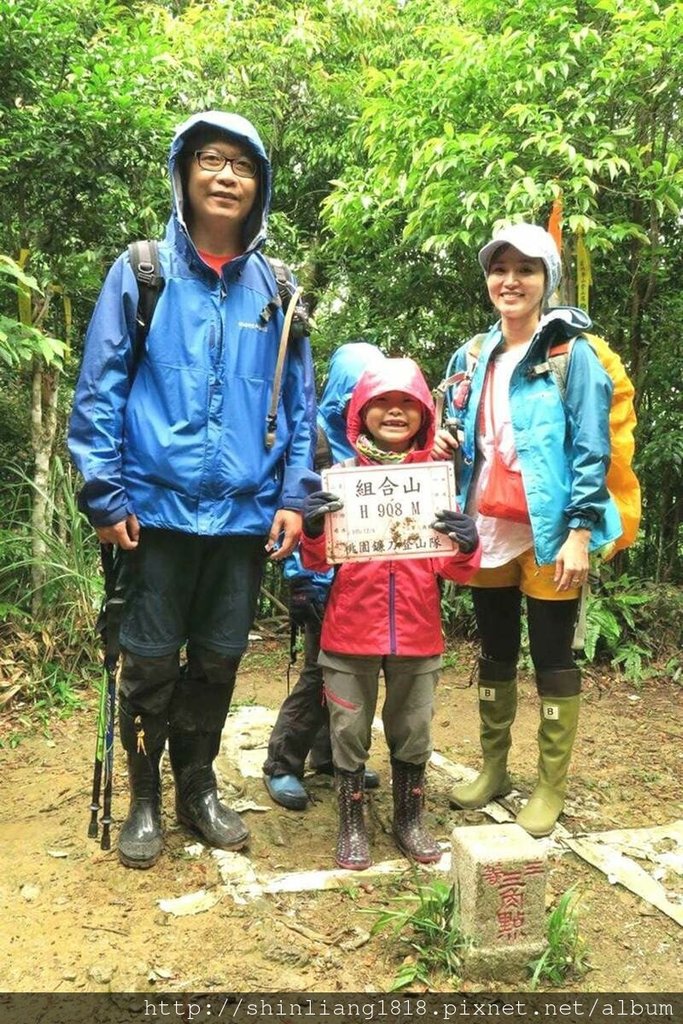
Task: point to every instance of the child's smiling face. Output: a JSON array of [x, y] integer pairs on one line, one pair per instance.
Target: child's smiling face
[[393, 419]]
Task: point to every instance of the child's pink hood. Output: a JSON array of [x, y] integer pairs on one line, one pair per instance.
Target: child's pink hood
[[392, 375]]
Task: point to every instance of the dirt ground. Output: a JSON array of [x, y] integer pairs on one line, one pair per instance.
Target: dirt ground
[[75, 920]]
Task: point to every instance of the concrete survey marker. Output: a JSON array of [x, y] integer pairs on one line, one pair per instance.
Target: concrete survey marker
[[500, 875]]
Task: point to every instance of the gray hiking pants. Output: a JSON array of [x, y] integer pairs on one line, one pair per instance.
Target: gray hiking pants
[[351, 691]]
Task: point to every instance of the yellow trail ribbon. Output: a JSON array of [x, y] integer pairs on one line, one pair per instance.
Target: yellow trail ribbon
[[584, 279]]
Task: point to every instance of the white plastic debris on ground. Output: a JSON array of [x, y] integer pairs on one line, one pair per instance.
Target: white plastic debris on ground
[[195, 849], [244, 883], [244, 743], [192, 902], [241, 805], [658, 878], [238, 876]]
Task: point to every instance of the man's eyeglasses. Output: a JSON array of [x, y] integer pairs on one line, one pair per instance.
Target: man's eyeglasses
[[242, 166]]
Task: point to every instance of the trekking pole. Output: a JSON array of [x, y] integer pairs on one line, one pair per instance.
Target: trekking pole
[[108, 760], [99, 757], [108, 626]]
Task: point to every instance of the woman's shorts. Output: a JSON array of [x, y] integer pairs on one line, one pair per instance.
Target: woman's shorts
[[523, 572]]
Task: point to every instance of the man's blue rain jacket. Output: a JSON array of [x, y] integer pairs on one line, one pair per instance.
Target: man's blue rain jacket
[[563, 445], [180, 441]]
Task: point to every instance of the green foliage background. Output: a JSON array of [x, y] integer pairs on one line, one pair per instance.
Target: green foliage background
[[401, 135]]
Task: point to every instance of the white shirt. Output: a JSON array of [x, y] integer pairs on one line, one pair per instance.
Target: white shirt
[[501, 539]]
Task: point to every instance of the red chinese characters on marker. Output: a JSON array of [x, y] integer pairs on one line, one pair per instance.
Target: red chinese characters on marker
[[511, 885]]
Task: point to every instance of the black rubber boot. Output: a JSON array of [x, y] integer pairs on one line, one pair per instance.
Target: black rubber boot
[[197, 804], [197, 714], [140, 841], [410, 833], [353, 847]]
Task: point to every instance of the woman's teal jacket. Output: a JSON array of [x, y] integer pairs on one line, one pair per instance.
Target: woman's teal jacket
[[563, 445]]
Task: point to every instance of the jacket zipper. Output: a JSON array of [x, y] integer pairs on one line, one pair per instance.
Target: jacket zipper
[[392, 609], [222, 293]]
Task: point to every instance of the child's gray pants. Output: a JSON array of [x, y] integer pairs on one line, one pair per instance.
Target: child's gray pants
[[351, 690]]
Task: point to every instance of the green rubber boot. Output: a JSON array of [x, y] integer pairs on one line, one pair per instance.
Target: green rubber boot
[[556, 734], [497, 709]]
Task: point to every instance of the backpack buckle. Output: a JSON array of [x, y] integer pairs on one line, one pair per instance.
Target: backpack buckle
[[146, 270]]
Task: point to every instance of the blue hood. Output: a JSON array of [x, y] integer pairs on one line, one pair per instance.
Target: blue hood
[[242, 131], [563, 322], [347, 364]]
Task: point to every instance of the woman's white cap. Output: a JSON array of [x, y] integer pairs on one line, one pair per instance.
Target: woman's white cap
[[530, 240]]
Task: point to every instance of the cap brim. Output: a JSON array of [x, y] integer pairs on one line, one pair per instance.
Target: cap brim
[[487, 252]]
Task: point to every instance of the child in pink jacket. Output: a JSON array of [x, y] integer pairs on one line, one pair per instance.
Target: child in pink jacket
[[385, 615]]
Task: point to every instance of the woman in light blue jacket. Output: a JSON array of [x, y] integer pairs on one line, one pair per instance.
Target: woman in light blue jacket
[[533, 466]]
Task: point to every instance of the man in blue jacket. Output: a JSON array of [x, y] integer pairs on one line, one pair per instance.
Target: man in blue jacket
[[177, 472]]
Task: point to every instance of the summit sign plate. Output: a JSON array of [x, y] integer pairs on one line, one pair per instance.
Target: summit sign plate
[[387, 511]]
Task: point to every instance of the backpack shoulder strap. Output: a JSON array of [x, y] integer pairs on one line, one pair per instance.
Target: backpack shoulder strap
[[145, 264], [439, 393], [558, 363], [286, 289], [283, 277], [296, 325]]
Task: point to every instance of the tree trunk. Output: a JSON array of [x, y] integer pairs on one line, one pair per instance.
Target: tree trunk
[[44, 391]]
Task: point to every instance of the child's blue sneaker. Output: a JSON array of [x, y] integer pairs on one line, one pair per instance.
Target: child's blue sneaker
[[287, 791]]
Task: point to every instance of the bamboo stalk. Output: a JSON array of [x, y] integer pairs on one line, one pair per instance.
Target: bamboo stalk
[[275, 600]]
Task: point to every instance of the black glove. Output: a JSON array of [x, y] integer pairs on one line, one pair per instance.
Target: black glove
[[307, 602], [314, 509], [459, 527]]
